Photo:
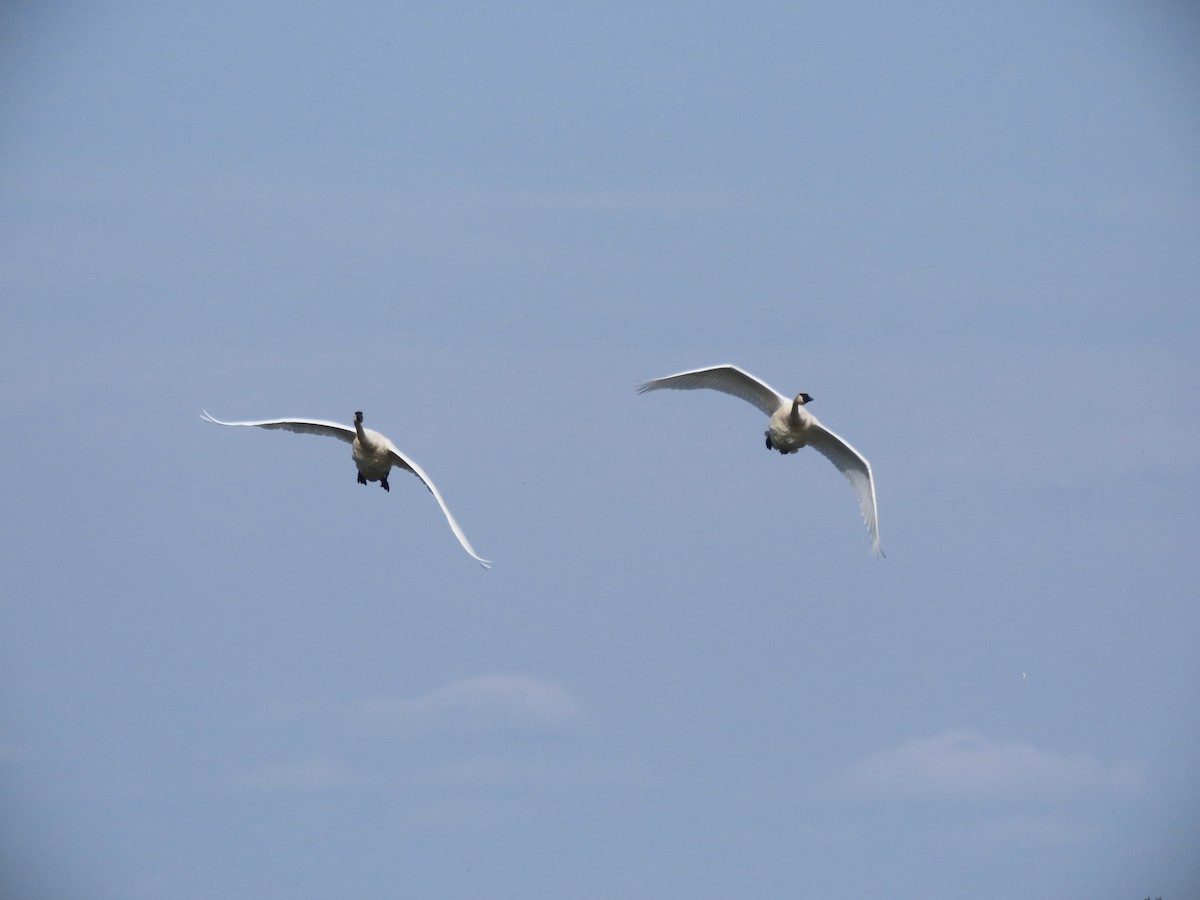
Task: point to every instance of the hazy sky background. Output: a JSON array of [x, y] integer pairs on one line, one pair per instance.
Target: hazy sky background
[[970, 231]]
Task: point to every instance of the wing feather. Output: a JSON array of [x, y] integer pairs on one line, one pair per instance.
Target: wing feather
[[728, 379], [404, 462], [300, 426], [856, 470]]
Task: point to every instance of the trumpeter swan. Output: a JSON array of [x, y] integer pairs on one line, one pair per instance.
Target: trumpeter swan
[[374, 455], [790, 428]]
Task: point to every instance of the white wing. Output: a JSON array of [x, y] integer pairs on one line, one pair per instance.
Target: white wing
[[855, 469], [404, 462], [726, 378], [300, 426]]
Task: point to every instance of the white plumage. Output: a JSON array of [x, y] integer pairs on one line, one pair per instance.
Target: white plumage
[[373, 454], [791, 427]]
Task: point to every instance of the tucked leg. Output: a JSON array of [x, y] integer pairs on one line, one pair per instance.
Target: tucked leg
[[383, 484], [362, 479]]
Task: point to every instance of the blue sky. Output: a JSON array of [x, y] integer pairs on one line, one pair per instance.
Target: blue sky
[[968, 230]]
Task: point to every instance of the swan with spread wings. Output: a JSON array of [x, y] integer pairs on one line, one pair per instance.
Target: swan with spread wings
[[791, 427], [373, 454]]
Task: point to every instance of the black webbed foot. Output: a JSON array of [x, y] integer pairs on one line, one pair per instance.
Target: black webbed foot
[[770, 446], [383, 484], [362, 479]]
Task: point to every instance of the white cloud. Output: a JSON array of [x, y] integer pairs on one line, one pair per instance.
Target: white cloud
[[306, 775], [481, 702], [964, 764]]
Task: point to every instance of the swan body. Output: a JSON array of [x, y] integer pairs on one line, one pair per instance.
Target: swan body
[[373, 454], [789, 428]]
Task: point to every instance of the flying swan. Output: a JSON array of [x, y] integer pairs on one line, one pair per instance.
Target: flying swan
[[374, 455], [791, 427]]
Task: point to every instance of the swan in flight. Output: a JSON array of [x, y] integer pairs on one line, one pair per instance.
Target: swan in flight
[[790, 428], [374, 455]]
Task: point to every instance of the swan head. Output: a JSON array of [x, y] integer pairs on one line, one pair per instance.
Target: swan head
[[802, 398], [358, 418]]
